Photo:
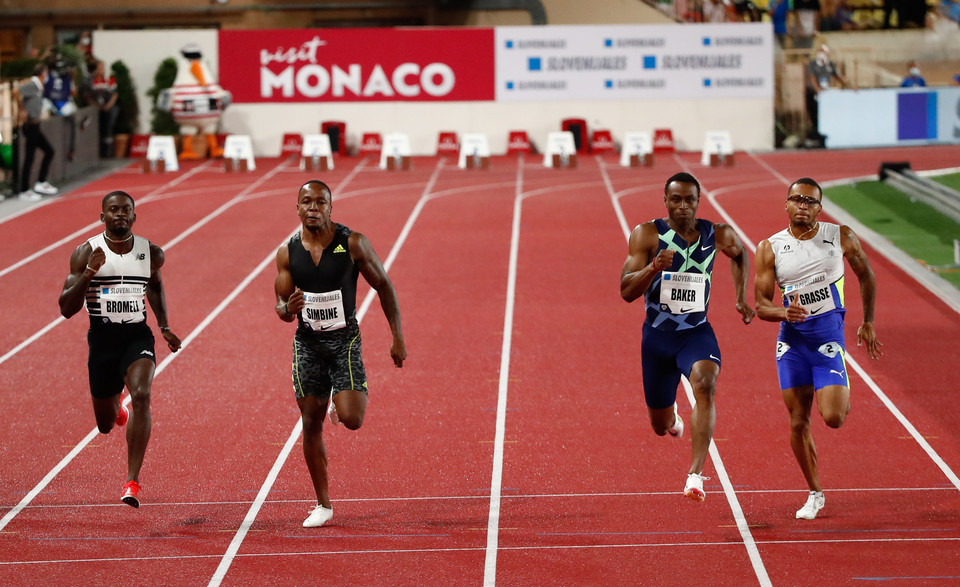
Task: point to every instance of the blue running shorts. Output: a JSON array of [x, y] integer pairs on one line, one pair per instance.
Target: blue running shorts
[[812, 353]]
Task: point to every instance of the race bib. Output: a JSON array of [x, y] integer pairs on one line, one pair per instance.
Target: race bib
[[683, 293], [122, 304], [323, 311], [782, 349], [814, 294]]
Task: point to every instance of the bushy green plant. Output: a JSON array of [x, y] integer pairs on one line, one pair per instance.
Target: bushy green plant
[[128, 117], [18, 68], [162, 123]]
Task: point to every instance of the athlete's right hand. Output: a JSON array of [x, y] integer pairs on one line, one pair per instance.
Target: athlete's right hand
[[663, 259], [795, 312], [96, 259], [295, 302]]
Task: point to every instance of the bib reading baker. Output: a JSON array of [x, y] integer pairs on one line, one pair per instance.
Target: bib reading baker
[[683, 293]]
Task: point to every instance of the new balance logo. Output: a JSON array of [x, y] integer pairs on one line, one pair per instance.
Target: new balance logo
[[339, 249]]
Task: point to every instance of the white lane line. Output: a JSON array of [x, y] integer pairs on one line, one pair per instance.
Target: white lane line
[[50, 476], [251, 516], [742, 526], [670, 546], [496, 477]]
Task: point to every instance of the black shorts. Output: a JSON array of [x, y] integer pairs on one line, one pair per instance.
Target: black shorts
[[113, 348], [328, 362]]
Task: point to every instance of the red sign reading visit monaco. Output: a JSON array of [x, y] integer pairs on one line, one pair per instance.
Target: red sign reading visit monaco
[[358, 65]]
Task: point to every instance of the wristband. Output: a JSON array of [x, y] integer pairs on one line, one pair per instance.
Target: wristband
[[164, 329], [91, 269], [286, 312]]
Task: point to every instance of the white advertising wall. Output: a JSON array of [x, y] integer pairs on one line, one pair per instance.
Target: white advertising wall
[[890, 116], [687, 78]]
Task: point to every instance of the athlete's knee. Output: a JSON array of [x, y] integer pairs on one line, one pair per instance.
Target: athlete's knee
[[659, 423], [140, 396], [799, 423], [352, 421], [311, 425], [104, 425], [835, 419], [704, 382]]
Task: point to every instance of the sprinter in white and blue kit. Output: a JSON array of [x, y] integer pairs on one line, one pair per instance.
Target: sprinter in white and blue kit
[[115, 274], [670, 262], [806, 261]]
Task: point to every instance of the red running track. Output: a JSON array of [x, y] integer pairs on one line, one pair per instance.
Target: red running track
[[475, 465]]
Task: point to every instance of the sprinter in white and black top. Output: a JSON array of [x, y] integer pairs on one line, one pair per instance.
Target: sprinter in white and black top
[[316, 285], [115, 274]]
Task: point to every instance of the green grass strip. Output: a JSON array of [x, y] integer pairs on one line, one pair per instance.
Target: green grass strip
[[910, 225]]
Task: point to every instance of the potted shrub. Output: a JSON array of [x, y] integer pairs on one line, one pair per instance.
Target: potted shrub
[[162, 122], [129, 110]]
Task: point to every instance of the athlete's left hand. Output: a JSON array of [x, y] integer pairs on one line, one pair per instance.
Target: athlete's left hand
[[398, 351], [866, 334], [173, 341], [746, 312]]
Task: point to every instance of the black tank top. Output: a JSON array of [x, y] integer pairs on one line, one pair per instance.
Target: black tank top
[[336, 271]]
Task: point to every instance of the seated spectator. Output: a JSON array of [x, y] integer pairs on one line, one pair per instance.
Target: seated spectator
[[914, 78]]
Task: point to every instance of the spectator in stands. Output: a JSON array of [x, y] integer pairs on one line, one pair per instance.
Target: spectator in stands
[[102, 91], [31, 111], [779, 10], [838, 17], [714, 11], [821, 73], [60, 91], [807, 13], [914, 78]]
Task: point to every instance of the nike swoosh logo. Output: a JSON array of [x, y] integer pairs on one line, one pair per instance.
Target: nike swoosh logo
[[714, 358], [685, 310], [327, 327], [816, 311], [702, 248]]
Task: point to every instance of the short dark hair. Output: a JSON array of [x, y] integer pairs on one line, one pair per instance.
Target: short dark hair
[[39, 68], [103, 204], [322, 185], [682, 177], [806, 181]]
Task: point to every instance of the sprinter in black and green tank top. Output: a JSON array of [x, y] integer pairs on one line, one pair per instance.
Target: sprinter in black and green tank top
[[316, 285]]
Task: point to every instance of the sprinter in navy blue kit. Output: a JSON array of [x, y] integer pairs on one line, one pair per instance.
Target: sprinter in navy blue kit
[[316, 285], [670, 262], [114, 275]]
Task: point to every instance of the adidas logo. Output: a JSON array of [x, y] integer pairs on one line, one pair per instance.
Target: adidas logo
[[339, 249]]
